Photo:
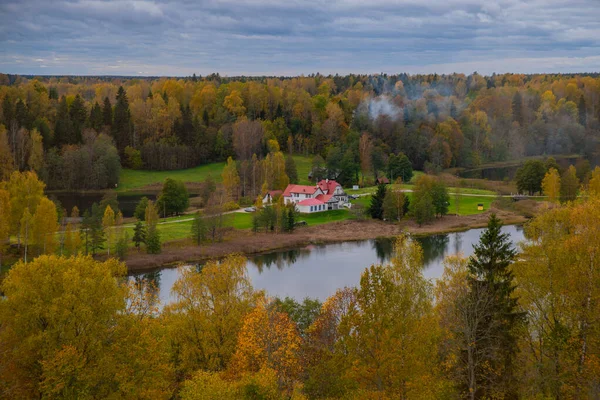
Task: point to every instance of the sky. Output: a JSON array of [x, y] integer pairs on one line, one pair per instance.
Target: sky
[[293, 37]]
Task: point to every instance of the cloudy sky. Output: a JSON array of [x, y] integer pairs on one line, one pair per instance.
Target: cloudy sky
[[289, 37]]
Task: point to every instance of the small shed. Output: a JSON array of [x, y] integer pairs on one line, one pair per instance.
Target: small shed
[[480, 207]]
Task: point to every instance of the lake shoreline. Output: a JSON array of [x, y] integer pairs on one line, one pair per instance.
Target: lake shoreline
[[248, 243]]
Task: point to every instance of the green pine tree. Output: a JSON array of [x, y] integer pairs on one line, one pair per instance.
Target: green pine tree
[[376, 207]]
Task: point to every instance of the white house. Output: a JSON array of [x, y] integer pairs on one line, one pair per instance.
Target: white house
[[271, 196], [326, 195]]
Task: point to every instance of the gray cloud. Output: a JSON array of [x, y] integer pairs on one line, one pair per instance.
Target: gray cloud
[[232, 37]]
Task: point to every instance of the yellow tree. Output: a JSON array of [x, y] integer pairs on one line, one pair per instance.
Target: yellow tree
[[4, 222], [234, 103], [594, 184], [569, 184], [231, 179], [25, 230], [66, 334], [269, 339], [45, 226], [207, 314], [108, 223], [25, 191], [6, 157], [558, 285], [551, 185], [36, 154]]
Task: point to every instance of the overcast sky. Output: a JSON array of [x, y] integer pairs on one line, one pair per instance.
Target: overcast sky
[[290, 37]]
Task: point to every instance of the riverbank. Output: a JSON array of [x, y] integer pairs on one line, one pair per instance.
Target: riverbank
[[247, 242]]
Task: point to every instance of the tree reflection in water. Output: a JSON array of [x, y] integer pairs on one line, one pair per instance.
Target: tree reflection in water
[[279, 259], [434, 247]]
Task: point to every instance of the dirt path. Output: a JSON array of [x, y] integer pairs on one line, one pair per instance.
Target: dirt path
[[247, 242]]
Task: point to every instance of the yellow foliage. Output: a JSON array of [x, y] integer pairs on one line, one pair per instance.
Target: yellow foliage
[[551, 185], [44, 226]]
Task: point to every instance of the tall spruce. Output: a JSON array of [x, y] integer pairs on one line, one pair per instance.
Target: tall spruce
[[122, 128], [376, 207], [107, 112], [495, 335], [63, 130], [95, 120], [78, 115], [517, 108]]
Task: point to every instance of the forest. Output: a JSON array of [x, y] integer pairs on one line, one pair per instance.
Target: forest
[[505, 323], [77, 133]]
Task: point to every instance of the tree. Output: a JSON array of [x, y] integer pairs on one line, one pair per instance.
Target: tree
[[84, 342], [393, 205], [4, 222], [441, 198], [44, 227], [231, 179], [582, 111], [174, 198], [139, 234], [529, 177], [557, 284], [6, 157], [290, 169], [107, 112], [569, 185], [78, 115], [551, 163], [423, 206], [72, 240], [108, 224], [35, 160], [517, 108], [490, 272], [594, 185], [401, 167], [63, 129], [140, 209], [91, 229], [122, 126], [377, 200], [206, 317], [269, 339], [551, 185], [152, 235], [199, 228]]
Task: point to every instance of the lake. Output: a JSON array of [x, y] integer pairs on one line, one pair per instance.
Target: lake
[[317, 271]]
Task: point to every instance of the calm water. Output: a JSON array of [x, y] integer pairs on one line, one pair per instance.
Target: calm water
[[317, 271]]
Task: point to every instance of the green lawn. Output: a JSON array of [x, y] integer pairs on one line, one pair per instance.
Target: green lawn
[[131, 179], [324, 217], [303, 167], [467, 205]]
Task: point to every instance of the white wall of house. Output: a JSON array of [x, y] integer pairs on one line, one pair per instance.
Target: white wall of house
[[311, 209]]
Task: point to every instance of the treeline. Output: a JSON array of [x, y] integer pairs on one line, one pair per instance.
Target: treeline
[[437, 121], [495, 325]]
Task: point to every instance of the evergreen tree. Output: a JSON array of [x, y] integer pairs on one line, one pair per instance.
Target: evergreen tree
[[8, 111], [582, 112], [92, 230], [122, 128], [517, 108], [290, 169], [140, 209], [184, 126], [291, 218], [63, 130], [376, 207], [95, 120], [107, 113], [78, 115], [496, 340], [23, 116], [139, 234]]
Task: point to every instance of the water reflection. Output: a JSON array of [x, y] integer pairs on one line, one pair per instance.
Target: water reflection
[[318, 270]]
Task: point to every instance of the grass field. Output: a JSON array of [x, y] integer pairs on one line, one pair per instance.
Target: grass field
[[131, 179], [303, 167], [467, 205]]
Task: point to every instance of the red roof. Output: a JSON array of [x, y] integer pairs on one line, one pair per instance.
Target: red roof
[[299, 189], [310, 202], [328, 186], [274, 193], [324, 197]]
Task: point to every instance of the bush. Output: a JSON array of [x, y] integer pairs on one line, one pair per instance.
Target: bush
[[153, 242], [122, 246], [230, 206]]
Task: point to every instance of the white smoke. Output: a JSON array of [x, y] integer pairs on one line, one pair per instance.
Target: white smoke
[[383, 105]]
